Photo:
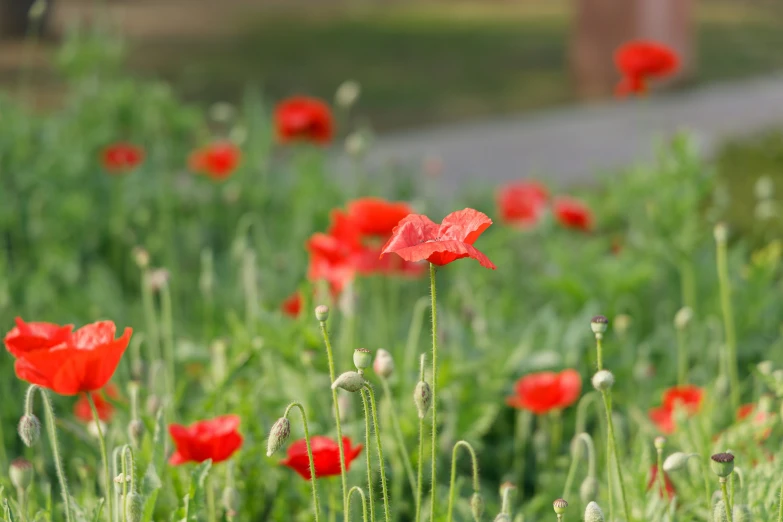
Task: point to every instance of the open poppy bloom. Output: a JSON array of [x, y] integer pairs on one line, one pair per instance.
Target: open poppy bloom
[[376, 216], [417, 238], [215, 439], [326, 456], [82, 362], [687, 397], [543, 392], [82, 409], [301, 118], [28, 337], [218, 160], [572, 213], [292, 306], [120, 158], [522, 203], [670, 491], [639, 61]]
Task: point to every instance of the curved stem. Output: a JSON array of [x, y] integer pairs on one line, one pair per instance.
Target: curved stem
[[728, 322], [780, 509], [612, 452], [364, 502], [474, 462], [725, 495], [51, 430], [316, 504], [367, 459], [576, 454], [104, 456], [682, 358], [420, 463], [406, 458], [433, 480], [581, 410], [382, 466]]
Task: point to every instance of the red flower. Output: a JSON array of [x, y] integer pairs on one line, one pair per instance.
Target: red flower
[[292, 306], [215, 439], [28, 337], [376, 216], [120, 158], [217, 160], [641, 60], [522, 203], [546, 391], [572, 213], [417, 238], [83, 362], [82, 409], [326, 456], [670, 491], [332, 254], [304, 118], [687, 397]]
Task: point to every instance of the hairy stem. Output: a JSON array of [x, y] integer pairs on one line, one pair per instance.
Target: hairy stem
[[368, 460], [612, 452], [725, 494], [576, 454], [382, 465], [104, 456], [420, 463], [316, 504], [360, 491], [51, 430], [476, 483], [728, 322], [433, 480], [406, 458]]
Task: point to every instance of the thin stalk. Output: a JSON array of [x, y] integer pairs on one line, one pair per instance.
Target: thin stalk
[[250, 285], [725, 494], [557, 431], [211, 507], [599, 351], [612, 452], [167, 327], [382, 465], [417, 322], [522, 428], [360, 491], [420, 463], [316, 504], [688, 283], [682, 357], [150, 317], [728, 321], [576, 454], [661, 478], [406, 458], [21, 496], [104, 456], [124, 498], [476, 483], [368, 460], [434, 431], [707, 489], [780, 509]]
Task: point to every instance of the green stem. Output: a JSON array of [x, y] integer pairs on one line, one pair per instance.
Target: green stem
[[434, 406], [363, 499], [780, 509], [557, 431], [576, 454], [522, 429], [612, 452], [661, 478], [148, 302], [211, 507], [316, 504], [382, 465], [707, 490], [688, 282], [167, 326], [599, 350], [420, 463], [682, 358], [368, 460], [123, 500], [728, 322], [414, 333], [21, 500], [250, 285], [104, 456], [476, 483], [581, 411], [725, 495], [406, 458]]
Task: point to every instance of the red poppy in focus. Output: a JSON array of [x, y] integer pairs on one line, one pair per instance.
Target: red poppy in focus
[[326, 456], [572, 213], [28, 337], [215, 439], [687, 397], [217, 160], [670, 491], [417, 238], [522, 203], [376, 216], [639, 61], [546, 391], [292, 306], [120, 158], [303, 118], [84, 362], [82, 409]]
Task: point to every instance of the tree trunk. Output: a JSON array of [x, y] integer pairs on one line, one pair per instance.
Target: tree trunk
[[15, 21]]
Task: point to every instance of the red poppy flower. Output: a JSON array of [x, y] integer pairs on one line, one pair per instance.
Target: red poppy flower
[[217, 160], [84, 362], [28, 337], [572, 213], [670, 491], [121, 157], [687, 397], [522, 203], [639, 61], [546, 391], [326, 456], [304, 118], [376, 216], [82, 409], [417, 238], [332, 254], [292, 306], [215, 439]]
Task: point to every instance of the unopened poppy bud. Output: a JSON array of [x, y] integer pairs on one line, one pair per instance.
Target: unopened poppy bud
[[362, 359], [560, 506], [135, 431], [349, 381], [676, 461], [422, 396], [588, 491], [29, 429], [21, 473], [721, 233], [593, 513], [141, 256], [659, 443], [383, 366], [322, 313], [722, 464], [231, 501], [134, 507], [122, 479], [742, 513], [719, 513], [599, 324], [477, 506], [603, 380], [278, 435], [502, 517], [347, 93], [683, 317]]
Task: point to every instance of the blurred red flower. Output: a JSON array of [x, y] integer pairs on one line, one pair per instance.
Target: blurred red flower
[[376, 216], [687, 397], [522, 203], [326, 456], [417, 238], [28, 337], [304, 118], [215, 439], [639, 61], [83, 412], [572, 213], [217, 160], [670, 491], [760, 417], [292, 306], [82, 362], [546, 391], [121, 157]]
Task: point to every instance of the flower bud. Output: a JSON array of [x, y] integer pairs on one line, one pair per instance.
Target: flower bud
[[384, 364], [29, 429], [153, 404], [721, 233], [278, 435], [136, 431], [683, 317], [722, 464], [742, 513], [362, 359], [560, 506], [322, 313], [349, 381], [21, 473], [588, 491], [477, 506], [599, 324], [659, 442], [719, 513], [593, 513], [134, 507], [502, 517], [422, 396], [676, 461], [603, 380], [347, 93], [231, 501]]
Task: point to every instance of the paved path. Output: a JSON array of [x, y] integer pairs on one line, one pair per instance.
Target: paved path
[[575, 145]]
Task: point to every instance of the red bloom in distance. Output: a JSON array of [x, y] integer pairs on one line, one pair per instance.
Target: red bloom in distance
[[120, 158], [522, 203], [292, 306], [687, 397], [215, 439], [28, 337], [546, 391], [572, 213], [217, 160], [304, 118], [82, 409], [639, 61], [417, 238], [326, 456], [670, 491], [760, 417], [83, 362], [376, 216]]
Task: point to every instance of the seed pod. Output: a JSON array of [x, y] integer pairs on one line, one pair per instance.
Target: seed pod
[[588, 491], [349, 381], [21, 473], [29, 429], [134, 507], [477, 506], [722, 464], [593, 513], [599, 324], [278, 435], [422, 396], [603, 380], [719, 512], [384, 364], [362, 359], [560, 506]]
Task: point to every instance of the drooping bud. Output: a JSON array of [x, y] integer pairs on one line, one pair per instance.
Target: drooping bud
[[29, 429], [422, 396], [134, 507], [588, 491], [477, 506], [560, 506], [593, 513], [362, 359], [599, 324], [676, 461], [683, 317], [603, 380], [136, 431], [383, 366], [659, 442], [322, 313], [719, 513], [722, 464], [231, 501], [278, 435], [349, 381], [742, 513], [21, 473]]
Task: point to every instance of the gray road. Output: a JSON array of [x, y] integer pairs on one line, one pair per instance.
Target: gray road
[[575, 145]]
